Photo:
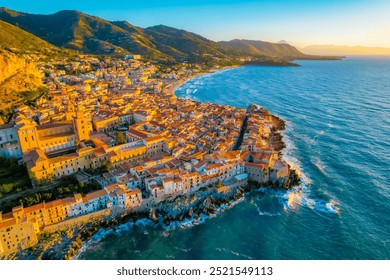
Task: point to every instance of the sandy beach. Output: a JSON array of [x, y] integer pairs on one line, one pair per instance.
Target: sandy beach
[[171, 88]]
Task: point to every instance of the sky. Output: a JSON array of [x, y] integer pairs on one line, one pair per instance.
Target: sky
[[299, 22]]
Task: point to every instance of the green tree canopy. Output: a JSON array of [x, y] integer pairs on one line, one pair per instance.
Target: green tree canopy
[[120, 138]]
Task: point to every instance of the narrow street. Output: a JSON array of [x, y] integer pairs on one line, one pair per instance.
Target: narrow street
[[237, 146]]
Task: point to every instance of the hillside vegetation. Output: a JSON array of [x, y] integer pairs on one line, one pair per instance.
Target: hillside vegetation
[[94, 35]]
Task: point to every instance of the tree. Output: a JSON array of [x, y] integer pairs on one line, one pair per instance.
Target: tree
[[120, 138], [106, 165], [6, 188]]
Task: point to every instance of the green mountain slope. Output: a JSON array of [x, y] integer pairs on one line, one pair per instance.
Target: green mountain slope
[[139, 42], [70, 29], [90, 34], [94, 35], [19, 41], [184, 45]]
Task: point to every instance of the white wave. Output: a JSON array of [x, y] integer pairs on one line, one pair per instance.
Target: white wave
[[118, 230], [268, 214], [191, 222], [300, 198], [94, 240], [233, 253], [300, 195], [289, 155], [330, 125], [186, 250], [318, 163], [144, 222], [262, 213]]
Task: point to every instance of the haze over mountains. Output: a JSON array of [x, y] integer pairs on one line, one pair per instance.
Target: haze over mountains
[[94, 35], [281, 49], [345, 50]]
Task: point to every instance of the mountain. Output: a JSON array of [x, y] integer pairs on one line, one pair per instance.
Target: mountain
[[20, 79], [90, 34], [94, 35], [345, 50], [138, 41], [19, 41], [70, 29], [183, 45], [281, 49]]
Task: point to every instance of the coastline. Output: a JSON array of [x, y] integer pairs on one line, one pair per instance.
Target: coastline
[[172, 87], [69, 243]]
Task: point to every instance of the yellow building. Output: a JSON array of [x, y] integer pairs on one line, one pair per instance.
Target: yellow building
[[42, 167], [27, 135], [105, 124], [16, 234], [54, 136], [43, 214], [155, 145], [126, 153], [83, 126], [48, 137]]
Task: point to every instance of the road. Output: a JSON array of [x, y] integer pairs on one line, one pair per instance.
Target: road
[[28, 191]]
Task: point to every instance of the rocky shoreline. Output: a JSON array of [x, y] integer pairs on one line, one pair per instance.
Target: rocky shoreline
[[191, 209], [183, 211]]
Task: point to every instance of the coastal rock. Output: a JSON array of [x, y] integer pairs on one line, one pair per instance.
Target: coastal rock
[[167, 220], [152, 214], [190, 212], [209, 206]]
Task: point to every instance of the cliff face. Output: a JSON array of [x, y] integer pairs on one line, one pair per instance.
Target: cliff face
[[17, 76]]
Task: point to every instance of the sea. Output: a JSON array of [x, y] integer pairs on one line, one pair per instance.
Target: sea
[[337, 116]]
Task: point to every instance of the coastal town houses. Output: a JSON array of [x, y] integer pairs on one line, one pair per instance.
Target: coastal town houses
[[19, 228], [16, 234], [172, 146]]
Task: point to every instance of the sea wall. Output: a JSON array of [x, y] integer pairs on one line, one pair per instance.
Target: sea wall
[[78, 221]]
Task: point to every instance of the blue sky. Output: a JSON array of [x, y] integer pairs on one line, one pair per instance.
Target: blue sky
[[300, 22]]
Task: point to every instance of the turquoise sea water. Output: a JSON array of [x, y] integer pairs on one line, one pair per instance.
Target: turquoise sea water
[[338, 135]]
